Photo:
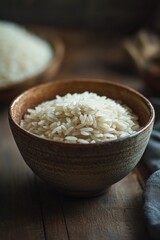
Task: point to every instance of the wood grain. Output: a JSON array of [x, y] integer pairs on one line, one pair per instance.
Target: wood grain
[[116, 215], [52, 212], [20, 214]]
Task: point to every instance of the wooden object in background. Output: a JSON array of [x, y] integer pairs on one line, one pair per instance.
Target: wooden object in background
[[144, 51]]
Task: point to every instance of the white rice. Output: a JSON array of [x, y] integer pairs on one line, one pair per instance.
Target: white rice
[[81, 118], [22, 54]]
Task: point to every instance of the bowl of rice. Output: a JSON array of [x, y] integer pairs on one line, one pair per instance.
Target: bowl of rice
[[81, 136], [27, 57]]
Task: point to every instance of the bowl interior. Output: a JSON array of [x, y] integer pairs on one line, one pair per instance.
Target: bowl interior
[[34, 96]]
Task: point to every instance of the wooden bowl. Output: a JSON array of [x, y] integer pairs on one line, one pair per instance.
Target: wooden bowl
[[150, 72], [81, 169], [9, 91], [144, 51]]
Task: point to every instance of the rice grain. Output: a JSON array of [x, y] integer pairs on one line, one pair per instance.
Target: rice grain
[[81, 118], [22, 54]]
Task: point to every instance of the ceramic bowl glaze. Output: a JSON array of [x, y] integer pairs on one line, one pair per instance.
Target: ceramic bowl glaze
[[81, 169]]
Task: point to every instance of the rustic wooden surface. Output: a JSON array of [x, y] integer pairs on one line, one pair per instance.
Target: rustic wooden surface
[[30, 210]]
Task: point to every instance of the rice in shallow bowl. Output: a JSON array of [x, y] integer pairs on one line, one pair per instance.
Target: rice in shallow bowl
[[22, 54], [81, 118]]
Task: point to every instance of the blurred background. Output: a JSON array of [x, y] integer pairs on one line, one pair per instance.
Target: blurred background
[[110, 15], [94, 33]]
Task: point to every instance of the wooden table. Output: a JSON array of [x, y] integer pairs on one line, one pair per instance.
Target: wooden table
[[29, 209]]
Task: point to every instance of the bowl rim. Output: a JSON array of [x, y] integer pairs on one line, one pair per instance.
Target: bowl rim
[[58, 50], [34, 136]]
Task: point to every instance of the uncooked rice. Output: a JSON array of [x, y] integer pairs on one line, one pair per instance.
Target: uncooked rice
[[22, 54], [81, 118]]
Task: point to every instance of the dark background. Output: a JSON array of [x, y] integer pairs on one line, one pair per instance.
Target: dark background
[[110, 15]]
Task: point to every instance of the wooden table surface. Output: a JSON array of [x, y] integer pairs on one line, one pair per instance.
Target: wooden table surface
[[29, 209]]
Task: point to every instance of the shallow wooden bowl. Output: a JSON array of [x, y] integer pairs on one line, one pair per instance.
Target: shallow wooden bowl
[[9, 91], [81, 169]]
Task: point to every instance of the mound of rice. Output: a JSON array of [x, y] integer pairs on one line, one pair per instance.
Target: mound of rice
[[22, 54], [81, 118]]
